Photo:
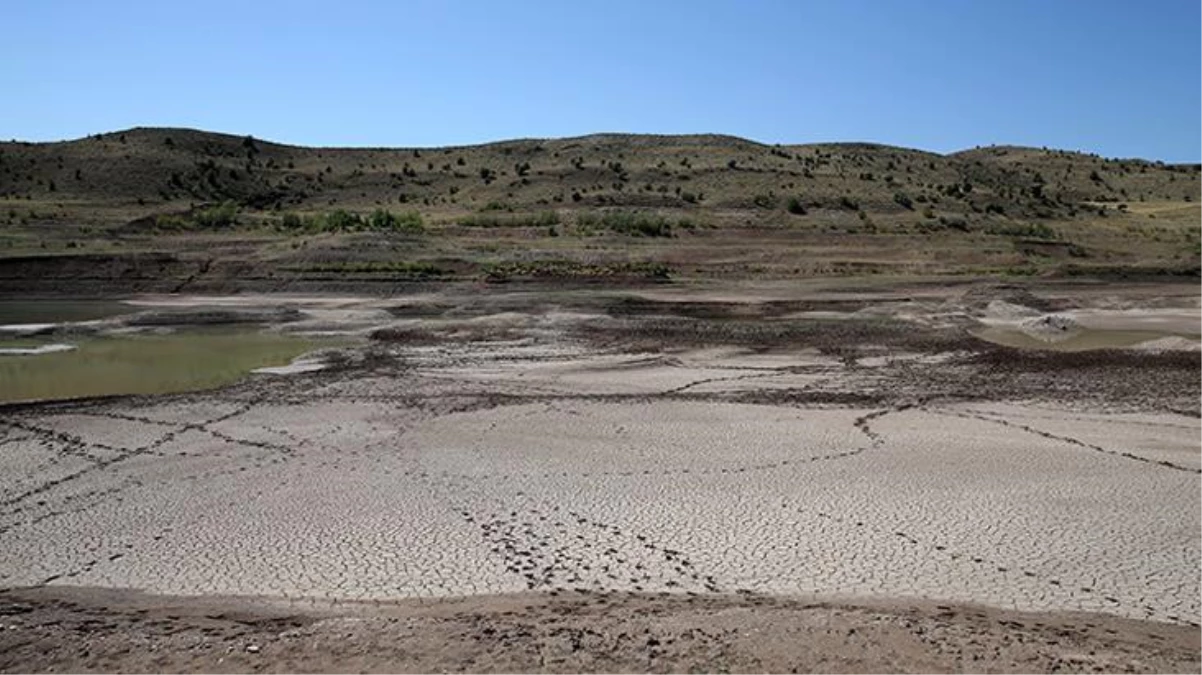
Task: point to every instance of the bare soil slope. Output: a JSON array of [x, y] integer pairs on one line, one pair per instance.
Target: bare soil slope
[[89, 630]]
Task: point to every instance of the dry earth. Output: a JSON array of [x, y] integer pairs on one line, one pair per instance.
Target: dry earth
[[89, 630], [657, 481]]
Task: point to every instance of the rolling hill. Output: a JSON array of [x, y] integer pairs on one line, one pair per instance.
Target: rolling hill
[[731, 206]]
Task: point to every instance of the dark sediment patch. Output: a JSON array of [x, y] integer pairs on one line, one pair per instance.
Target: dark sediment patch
[[836, 336], [213, 316]]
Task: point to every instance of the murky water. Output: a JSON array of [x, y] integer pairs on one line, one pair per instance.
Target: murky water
[[146, 364], [187, 359]]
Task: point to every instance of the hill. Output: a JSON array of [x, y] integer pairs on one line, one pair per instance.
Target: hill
[[977, 211]]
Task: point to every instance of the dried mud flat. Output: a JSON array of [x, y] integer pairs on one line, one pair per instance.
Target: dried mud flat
[[823, 483]]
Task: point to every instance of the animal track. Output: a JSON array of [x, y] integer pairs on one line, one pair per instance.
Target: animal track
[[1068, 439], [277, 499]]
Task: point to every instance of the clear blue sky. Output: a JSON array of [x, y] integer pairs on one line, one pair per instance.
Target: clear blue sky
[[1117, 77]]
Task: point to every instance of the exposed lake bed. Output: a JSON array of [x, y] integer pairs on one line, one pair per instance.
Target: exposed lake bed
[[852, 456]]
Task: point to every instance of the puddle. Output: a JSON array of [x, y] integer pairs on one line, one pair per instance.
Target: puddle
[[144, 364]]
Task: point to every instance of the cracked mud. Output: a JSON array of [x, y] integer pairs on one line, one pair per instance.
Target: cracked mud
[[553, 466]]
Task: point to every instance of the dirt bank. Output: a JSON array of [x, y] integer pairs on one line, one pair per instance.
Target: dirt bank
[[81, 630]]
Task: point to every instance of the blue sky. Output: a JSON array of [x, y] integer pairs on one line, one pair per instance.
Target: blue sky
[[1121, 78]]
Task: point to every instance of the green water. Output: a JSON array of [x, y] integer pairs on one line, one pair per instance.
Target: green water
[[144, 364]]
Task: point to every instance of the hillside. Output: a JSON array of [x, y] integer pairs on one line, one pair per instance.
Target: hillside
[[164, 168], [851, 206]]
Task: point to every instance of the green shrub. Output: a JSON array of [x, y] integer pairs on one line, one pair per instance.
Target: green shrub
[[633, 223], [795, 206], [223, 215], [172, 223], [340, 220], [206, 218], [571, 269], [381, 219]]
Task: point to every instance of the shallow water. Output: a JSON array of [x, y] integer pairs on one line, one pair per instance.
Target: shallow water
[[146, 364]]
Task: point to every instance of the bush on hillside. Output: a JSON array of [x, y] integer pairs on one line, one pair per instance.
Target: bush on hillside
[[380, 220], [633, 223], [223, 215]]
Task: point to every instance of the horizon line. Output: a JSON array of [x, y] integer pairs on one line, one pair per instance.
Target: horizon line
[[520, 139]]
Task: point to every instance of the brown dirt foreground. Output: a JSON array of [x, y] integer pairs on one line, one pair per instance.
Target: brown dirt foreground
[[76, 630]]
